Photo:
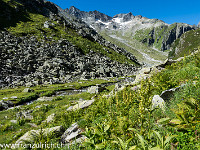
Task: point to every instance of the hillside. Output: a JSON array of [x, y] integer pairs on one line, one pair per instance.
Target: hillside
[[186, 44], [46, 47]]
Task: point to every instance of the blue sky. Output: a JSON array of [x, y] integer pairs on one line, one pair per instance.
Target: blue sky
[[169, 11]]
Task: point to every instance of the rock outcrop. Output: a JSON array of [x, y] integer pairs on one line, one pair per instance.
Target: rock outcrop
[[30, 136]]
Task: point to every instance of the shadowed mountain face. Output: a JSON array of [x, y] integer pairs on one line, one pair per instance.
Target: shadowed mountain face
[[138, 34]]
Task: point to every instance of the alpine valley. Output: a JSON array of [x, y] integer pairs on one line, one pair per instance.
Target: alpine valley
[[71, 79]]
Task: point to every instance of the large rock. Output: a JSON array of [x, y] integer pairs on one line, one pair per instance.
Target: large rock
[[26, 90], [95, 89], [5, 104], [81, 105], [29, 136], [145, 70], [50, 118], [157, 101], [167, 94], [42, 99], [25, 115], [73, 132]]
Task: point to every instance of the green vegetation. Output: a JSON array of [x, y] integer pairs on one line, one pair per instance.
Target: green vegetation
[[187, 43], [126, 120], [46, 90], [156, 35]]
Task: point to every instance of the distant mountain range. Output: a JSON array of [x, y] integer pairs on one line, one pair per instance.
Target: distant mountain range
[[148, 39]]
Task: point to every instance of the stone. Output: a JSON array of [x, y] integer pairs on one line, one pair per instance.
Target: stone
[[93, 89], [13, 121], [166, 62], [28, 137], [119, 87], [33, 125], [157, 101], [41, 62], [50, 118], [5, 104], [73, 133], [25, 114], [44, 98], [27, 90], [79, 140], [140, 77], [145, 70], [39, 106], [81, 105], [46, 24], [29, 84], [167, 94], [14, 97]]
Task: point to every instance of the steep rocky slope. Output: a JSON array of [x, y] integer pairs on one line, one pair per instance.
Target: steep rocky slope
[[140, 35], [45, 46], [187, 43]]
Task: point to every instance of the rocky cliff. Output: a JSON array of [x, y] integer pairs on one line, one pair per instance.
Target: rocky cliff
[[185, 44], [162, 37]]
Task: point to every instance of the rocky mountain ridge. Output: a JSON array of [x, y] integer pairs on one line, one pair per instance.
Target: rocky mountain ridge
[[100, 21], [139, 35]]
